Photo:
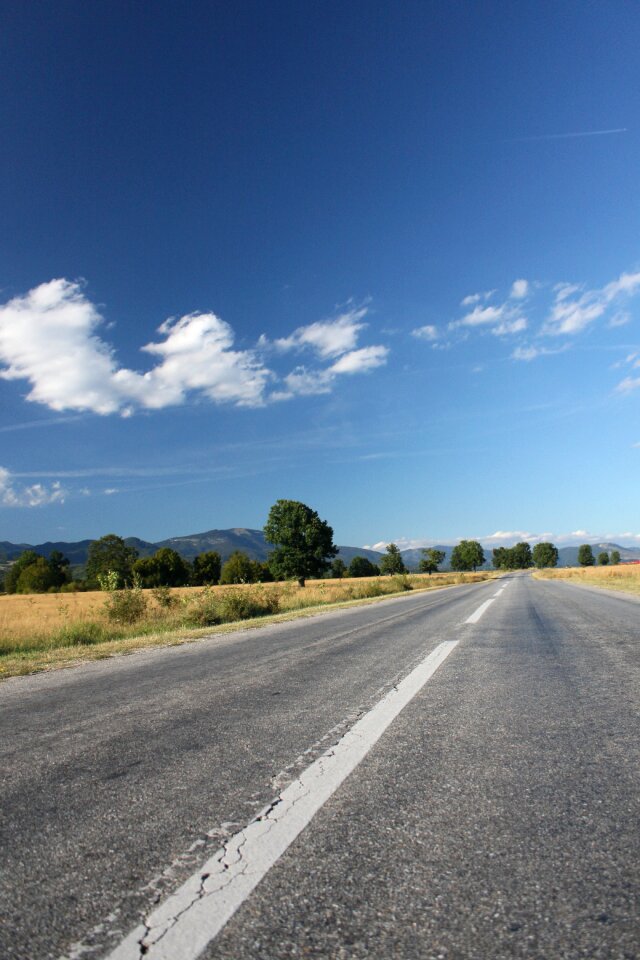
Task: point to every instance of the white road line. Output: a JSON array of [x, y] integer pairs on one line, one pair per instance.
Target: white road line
[[182, 926], [475, 616]]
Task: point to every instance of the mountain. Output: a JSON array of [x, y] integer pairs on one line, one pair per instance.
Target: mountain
[[225, 542], [252, 543]]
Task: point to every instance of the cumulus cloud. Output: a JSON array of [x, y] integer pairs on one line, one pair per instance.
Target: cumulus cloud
[[571, 313], [519, 289], [328, 338], [476, 298], [50, 338], [35, 495], [507, 327], [428, 332]]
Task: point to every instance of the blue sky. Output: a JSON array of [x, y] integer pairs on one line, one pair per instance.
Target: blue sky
[[382, 258]]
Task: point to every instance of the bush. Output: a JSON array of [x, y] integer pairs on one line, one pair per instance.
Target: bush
[[126, 606], [164, 598], [363, 590], [202, 610], [401, 582]]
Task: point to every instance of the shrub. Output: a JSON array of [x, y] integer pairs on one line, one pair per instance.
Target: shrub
[[202, 610], [164, 598], [401, 582], [126, 606], [364, 590], [240, 606]]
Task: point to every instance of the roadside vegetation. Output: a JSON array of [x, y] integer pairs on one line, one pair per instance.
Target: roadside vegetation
[[624, 577], [42, 631]]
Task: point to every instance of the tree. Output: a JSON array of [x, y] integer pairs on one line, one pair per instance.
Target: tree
[[13, 573], [166, 568], [363, 567], [545, 554], [431, 560], [392, 561], [110, 553], [615, 557], [468, 555], [521, 556], [304, 543], [338, 568], [59, 566], [35, 578], [603, 558], [501, 558], [240, 568], [206, 568], [585, 555]]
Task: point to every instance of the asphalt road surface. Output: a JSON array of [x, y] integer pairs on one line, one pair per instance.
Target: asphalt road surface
[[496, 814]]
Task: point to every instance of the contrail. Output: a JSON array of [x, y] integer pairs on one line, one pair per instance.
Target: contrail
[[567, 136]]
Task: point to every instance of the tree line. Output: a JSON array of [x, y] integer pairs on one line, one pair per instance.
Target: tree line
[[303, 548]]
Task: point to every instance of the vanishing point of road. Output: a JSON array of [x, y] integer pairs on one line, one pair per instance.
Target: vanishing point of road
[[451, 774]]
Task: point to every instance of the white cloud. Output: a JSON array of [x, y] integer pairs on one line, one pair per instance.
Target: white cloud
[[49, 337], [360, 361], [508, 327], [628, 385], [328, 338], [36, 495], [570, 314], [428, 332], [519, 289], [480, 316], [531, 353], [476, 298]]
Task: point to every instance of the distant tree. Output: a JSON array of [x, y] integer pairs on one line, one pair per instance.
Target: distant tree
[[263, 572], [603, 559], [338, 568], [501, 558], [110, 553], [615, 557], [431, 560], [545, 554], [392, 561], [35, 578], [13, 573], [166, 568], [468, 555], [521, 556], [363, 567], [240, 568], [206, 568], [59, 566], [585, 555], [303, 542]]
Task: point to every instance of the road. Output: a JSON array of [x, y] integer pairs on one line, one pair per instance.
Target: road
[[496, 815]]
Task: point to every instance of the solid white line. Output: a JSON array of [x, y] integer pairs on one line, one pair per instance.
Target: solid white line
[[475, 616], [182, 926]]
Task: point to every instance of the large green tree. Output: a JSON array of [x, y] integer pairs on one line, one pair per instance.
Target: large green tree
[[206, 568], [59, 566], [392, 561], [522, 557], [36, 578], [12, 575], [615, 558], [363, 567], [303, 542], [545, 554], [166, 568], [585, 555], [603, 558], [467, 555], [338, 568], [431, 560], [110, 553], [240, 568]]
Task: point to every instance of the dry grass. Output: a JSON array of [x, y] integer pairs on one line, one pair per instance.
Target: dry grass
[[624, 577], [40, 632]]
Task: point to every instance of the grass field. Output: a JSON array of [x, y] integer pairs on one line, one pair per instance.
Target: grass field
[[43, 631], [624, 577]]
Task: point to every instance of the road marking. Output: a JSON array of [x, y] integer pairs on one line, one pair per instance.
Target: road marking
[[182, 926], [475, 616]]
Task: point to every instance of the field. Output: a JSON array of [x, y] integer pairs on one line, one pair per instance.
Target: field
[[624, 577], [42, 631]]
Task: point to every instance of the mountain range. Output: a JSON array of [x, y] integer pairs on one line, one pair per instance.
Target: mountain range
[[252, 543]]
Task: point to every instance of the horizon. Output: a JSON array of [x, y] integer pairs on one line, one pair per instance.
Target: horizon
[[382, 261]]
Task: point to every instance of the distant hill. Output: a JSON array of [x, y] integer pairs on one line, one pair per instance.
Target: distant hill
[[252, 543]]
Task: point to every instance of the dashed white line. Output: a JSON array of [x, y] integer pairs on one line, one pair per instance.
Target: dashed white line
[[182, 926], [475, 616]]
